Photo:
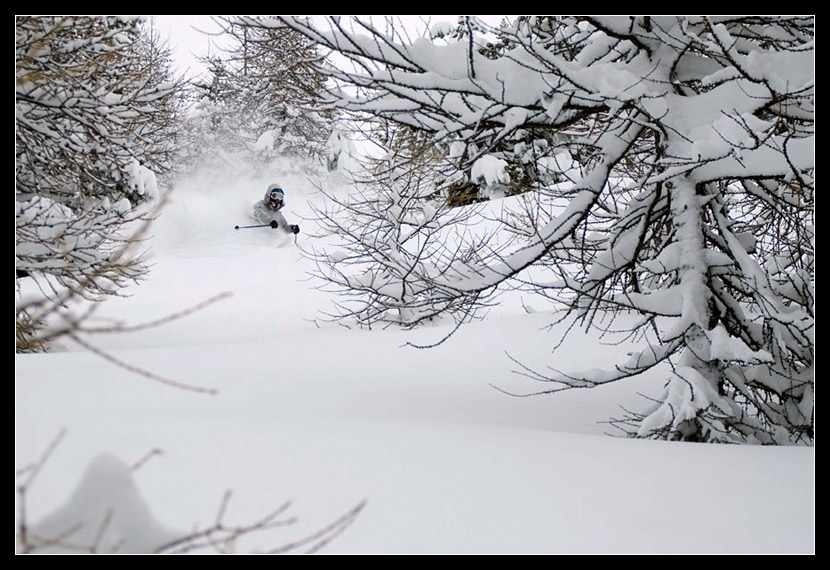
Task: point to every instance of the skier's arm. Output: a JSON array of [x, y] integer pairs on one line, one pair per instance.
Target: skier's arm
[[280, 222]]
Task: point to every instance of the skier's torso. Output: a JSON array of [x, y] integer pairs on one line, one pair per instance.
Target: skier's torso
[[265, 215]]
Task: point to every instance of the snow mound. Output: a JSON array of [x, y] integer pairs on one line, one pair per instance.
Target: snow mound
[[105, 514]]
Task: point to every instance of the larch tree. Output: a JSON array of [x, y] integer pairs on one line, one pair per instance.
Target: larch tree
[[691, 206], [95, 113], [396, 239], [258, 100]]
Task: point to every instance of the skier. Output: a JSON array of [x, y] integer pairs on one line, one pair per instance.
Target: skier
[[267, 211]]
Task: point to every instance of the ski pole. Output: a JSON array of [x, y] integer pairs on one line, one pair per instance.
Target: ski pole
[[256, 226]]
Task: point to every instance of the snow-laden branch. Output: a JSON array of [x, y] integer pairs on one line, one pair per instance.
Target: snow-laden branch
[[692, 204]]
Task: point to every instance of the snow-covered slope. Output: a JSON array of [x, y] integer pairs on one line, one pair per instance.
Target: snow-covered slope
[[328, 417]]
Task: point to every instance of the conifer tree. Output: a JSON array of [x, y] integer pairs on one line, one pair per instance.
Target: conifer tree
[[95, 113], [258, 101], [691, 207]]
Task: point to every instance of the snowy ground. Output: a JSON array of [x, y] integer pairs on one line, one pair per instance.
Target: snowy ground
[[328, 417]]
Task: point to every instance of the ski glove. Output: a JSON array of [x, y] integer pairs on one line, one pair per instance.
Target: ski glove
[[295, 228], [274, 224]]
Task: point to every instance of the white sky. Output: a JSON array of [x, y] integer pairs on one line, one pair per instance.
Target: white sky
[[186, 40], [189, 37]]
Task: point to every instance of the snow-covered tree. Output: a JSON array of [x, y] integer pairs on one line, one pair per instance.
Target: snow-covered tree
[[395, 237], [94, 97], [526, 159], [95, 110], [693, 206], [257, 102]]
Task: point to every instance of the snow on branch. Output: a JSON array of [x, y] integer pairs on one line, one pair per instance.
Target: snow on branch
[[692, 205]]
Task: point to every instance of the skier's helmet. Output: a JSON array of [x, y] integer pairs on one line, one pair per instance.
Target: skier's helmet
[[275, 196]]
